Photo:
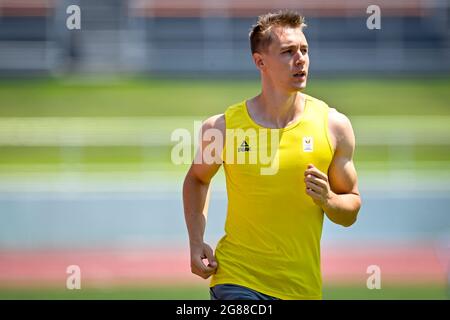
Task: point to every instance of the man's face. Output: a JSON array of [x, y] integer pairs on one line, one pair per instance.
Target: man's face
[[285, 62]]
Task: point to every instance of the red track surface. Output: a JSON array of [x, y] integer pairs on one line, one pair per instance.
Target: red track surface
[[170, 266]]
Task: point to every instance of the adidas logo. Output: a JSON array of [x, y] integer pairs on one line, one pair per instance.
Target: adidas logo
[[244, 147]]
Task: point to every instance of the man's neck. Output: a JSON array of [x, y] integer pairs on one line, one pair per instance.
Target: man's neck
[[275, 109]]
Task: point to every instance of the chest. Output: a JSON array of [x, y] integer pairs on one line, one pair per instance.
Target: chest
[[276, 152]]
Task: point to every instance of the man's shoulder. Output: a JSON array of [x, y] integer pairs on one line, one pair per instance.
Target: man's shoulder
[[216, 121], [236, 107], [340, 126], [335, 117], [338, 119], [317, 102]]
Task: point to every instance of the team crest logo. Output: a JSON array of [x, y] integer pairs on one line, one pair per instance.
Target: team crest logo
[[308, 144]]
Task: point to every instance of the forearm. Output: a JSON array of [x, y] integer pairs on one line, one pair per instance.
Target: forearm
[[195, 201], [342, 208]]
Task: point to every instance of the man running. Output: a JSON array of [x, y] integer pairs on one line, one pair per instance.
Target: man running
[[271, 246]]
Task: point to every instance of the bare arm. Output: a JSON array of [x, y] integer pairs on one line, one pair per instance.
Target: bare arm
[[337, 192], [196, 199]]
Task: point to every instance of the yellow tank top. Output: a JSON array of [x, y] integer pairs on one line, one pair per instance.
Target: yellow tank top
[[273, 228]]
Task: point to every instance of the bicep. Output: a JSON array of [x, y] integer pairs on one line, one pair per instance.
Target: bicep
[[341, 172], [203, 172], [342, 176], [208, 156]]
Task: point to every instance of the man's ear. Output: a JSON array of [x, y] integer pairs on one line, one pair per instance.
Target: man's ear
[[259, 61]]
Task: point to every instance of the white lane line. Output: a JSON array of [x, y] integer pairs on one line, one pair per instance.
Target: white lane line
[[156, 131]]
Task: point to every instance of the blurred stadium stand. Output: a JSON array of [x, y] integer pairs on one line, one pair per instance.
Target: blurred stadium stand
[[209, 37]]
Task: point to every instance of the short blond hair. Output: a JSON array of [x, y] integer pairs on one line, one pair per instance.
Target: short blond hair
[[260, 35]]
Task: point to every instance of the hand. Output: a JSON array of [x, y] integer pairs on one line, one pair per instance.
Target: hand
[[200, 253], [317, 186]]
